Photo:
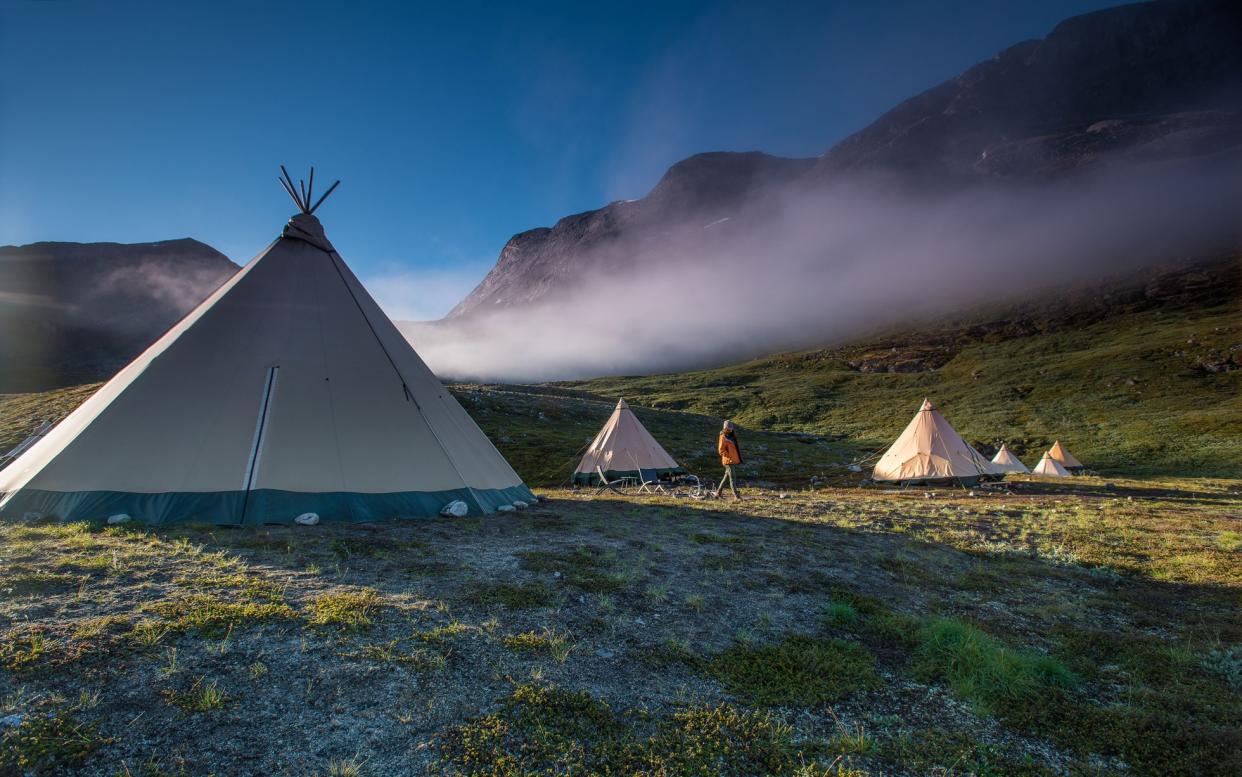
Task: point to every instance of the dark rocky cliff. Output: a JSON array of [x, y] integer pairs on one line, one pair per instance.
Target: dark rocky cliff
[[76, 312], [1147, 82]]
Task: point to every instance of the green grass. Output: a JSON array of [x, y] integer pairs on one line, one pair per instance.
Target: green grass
[[950, 751], [420, 658], [49, 741], [586, 568], [201, 696], [346, 610], [511, 596], [21, 647], [547, 642], [214, 617], [549, 730], [981, 669], [799, 671], [1122, 392]]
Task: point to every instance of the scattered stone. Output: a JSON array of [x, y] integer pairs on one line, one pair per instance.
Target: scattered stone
[[13, 720], [307, 519], [604, 653]]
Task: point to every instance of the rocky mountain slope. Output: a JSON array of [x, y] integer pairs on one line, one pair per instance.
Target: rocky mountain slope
[[1140, 374], [1143, 83], [76, 312]]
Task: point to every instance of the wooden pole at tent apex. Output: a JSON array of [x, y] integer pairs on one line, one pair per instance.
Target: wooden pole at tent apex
[[304, 191]]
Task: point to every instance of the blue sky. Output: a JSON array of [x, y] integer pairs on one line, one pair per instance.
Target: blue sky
[[451, 125]]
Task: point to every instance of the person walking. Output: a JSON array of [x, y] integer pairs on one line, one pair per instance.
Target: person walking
[[730, 456]]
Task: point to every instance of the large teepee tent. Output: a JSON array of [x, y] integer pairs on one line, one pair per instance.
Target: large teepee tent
[[1065, 458], [1005, 461], [931, 451], [622, 448], [287, 391], [1050, 467]]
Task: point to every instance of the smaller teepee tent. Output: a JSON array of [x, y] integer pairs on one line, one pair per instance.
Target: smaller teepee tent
[[622, 448], [1065, 458], [1005, 461], [1050, 467], [931, 451]]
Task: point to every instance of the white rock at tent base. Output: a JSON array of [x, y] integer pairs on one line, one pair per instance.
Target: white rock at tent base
[[506, 509], [118, 518], [455, 509], [519, 504], [307, 519], [32, 516]]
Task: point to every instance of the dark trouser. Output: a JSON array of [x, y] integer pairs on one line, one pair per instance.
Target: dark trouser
[[728, 476]]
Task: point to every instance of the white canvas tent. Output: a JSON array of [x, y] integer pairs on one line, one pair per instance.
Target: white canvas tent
[[1050, 467], [623, 448], [931, 451], [1005, 461], [287, 391], [1065, 458]]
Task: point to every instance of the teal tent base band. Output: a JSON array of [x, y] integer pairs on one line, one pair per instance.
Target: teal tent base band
[[261, 506], [592, 479]]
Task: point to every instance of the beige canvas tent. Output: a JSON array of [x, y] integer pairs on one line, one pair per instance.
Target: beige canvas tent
[[1065, 458], [1050, 467], [287, 391], [931, 451], [623, 448], [1005, 461]]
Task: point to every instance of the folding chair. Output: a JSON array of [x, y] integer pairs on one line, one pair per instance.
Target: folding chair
[[618, 486], [649, 482]]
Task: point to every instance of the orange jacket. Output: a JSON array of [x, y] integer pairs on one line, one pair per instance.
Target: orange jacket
[[728, 450]]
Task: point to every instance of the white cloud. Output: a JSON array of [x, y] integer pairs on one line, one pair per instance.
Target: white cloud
[[422, 294]]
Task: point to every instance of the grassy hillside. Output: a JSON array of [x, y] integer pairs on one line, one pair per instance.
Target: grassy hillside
[[541, 431], [1136, 382]]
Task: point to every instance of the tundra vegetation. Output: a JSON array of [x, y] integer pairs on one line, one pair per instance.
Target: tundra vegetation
[[1086, 626], [1083, 627]]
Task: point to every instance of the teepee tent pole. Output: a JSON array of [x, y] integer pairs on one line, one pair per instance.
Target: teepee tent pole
[[293, 192], [324, 197], [289, 191]]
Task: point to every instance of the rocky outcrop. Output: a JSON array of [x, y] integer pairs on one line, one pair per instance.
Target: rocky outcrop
[[76, 312], [698, 193], [1148, 82], [1147, 79]]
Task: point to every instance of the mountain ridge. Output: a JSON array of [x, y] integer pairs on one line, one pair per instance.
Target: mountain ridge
[[72, 312], [1139, 83]]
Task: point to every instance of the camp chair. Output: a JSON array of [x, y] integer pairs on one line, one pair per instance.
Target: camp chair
[[691, 486], [649, 482], [618, 486]]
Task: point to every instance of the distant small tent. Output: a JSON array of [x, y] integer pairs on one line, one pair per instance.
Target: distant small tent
[[1065, 458], [623, 448], [931, 451], [286, 392], [1005, 461], [1050, 467]]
